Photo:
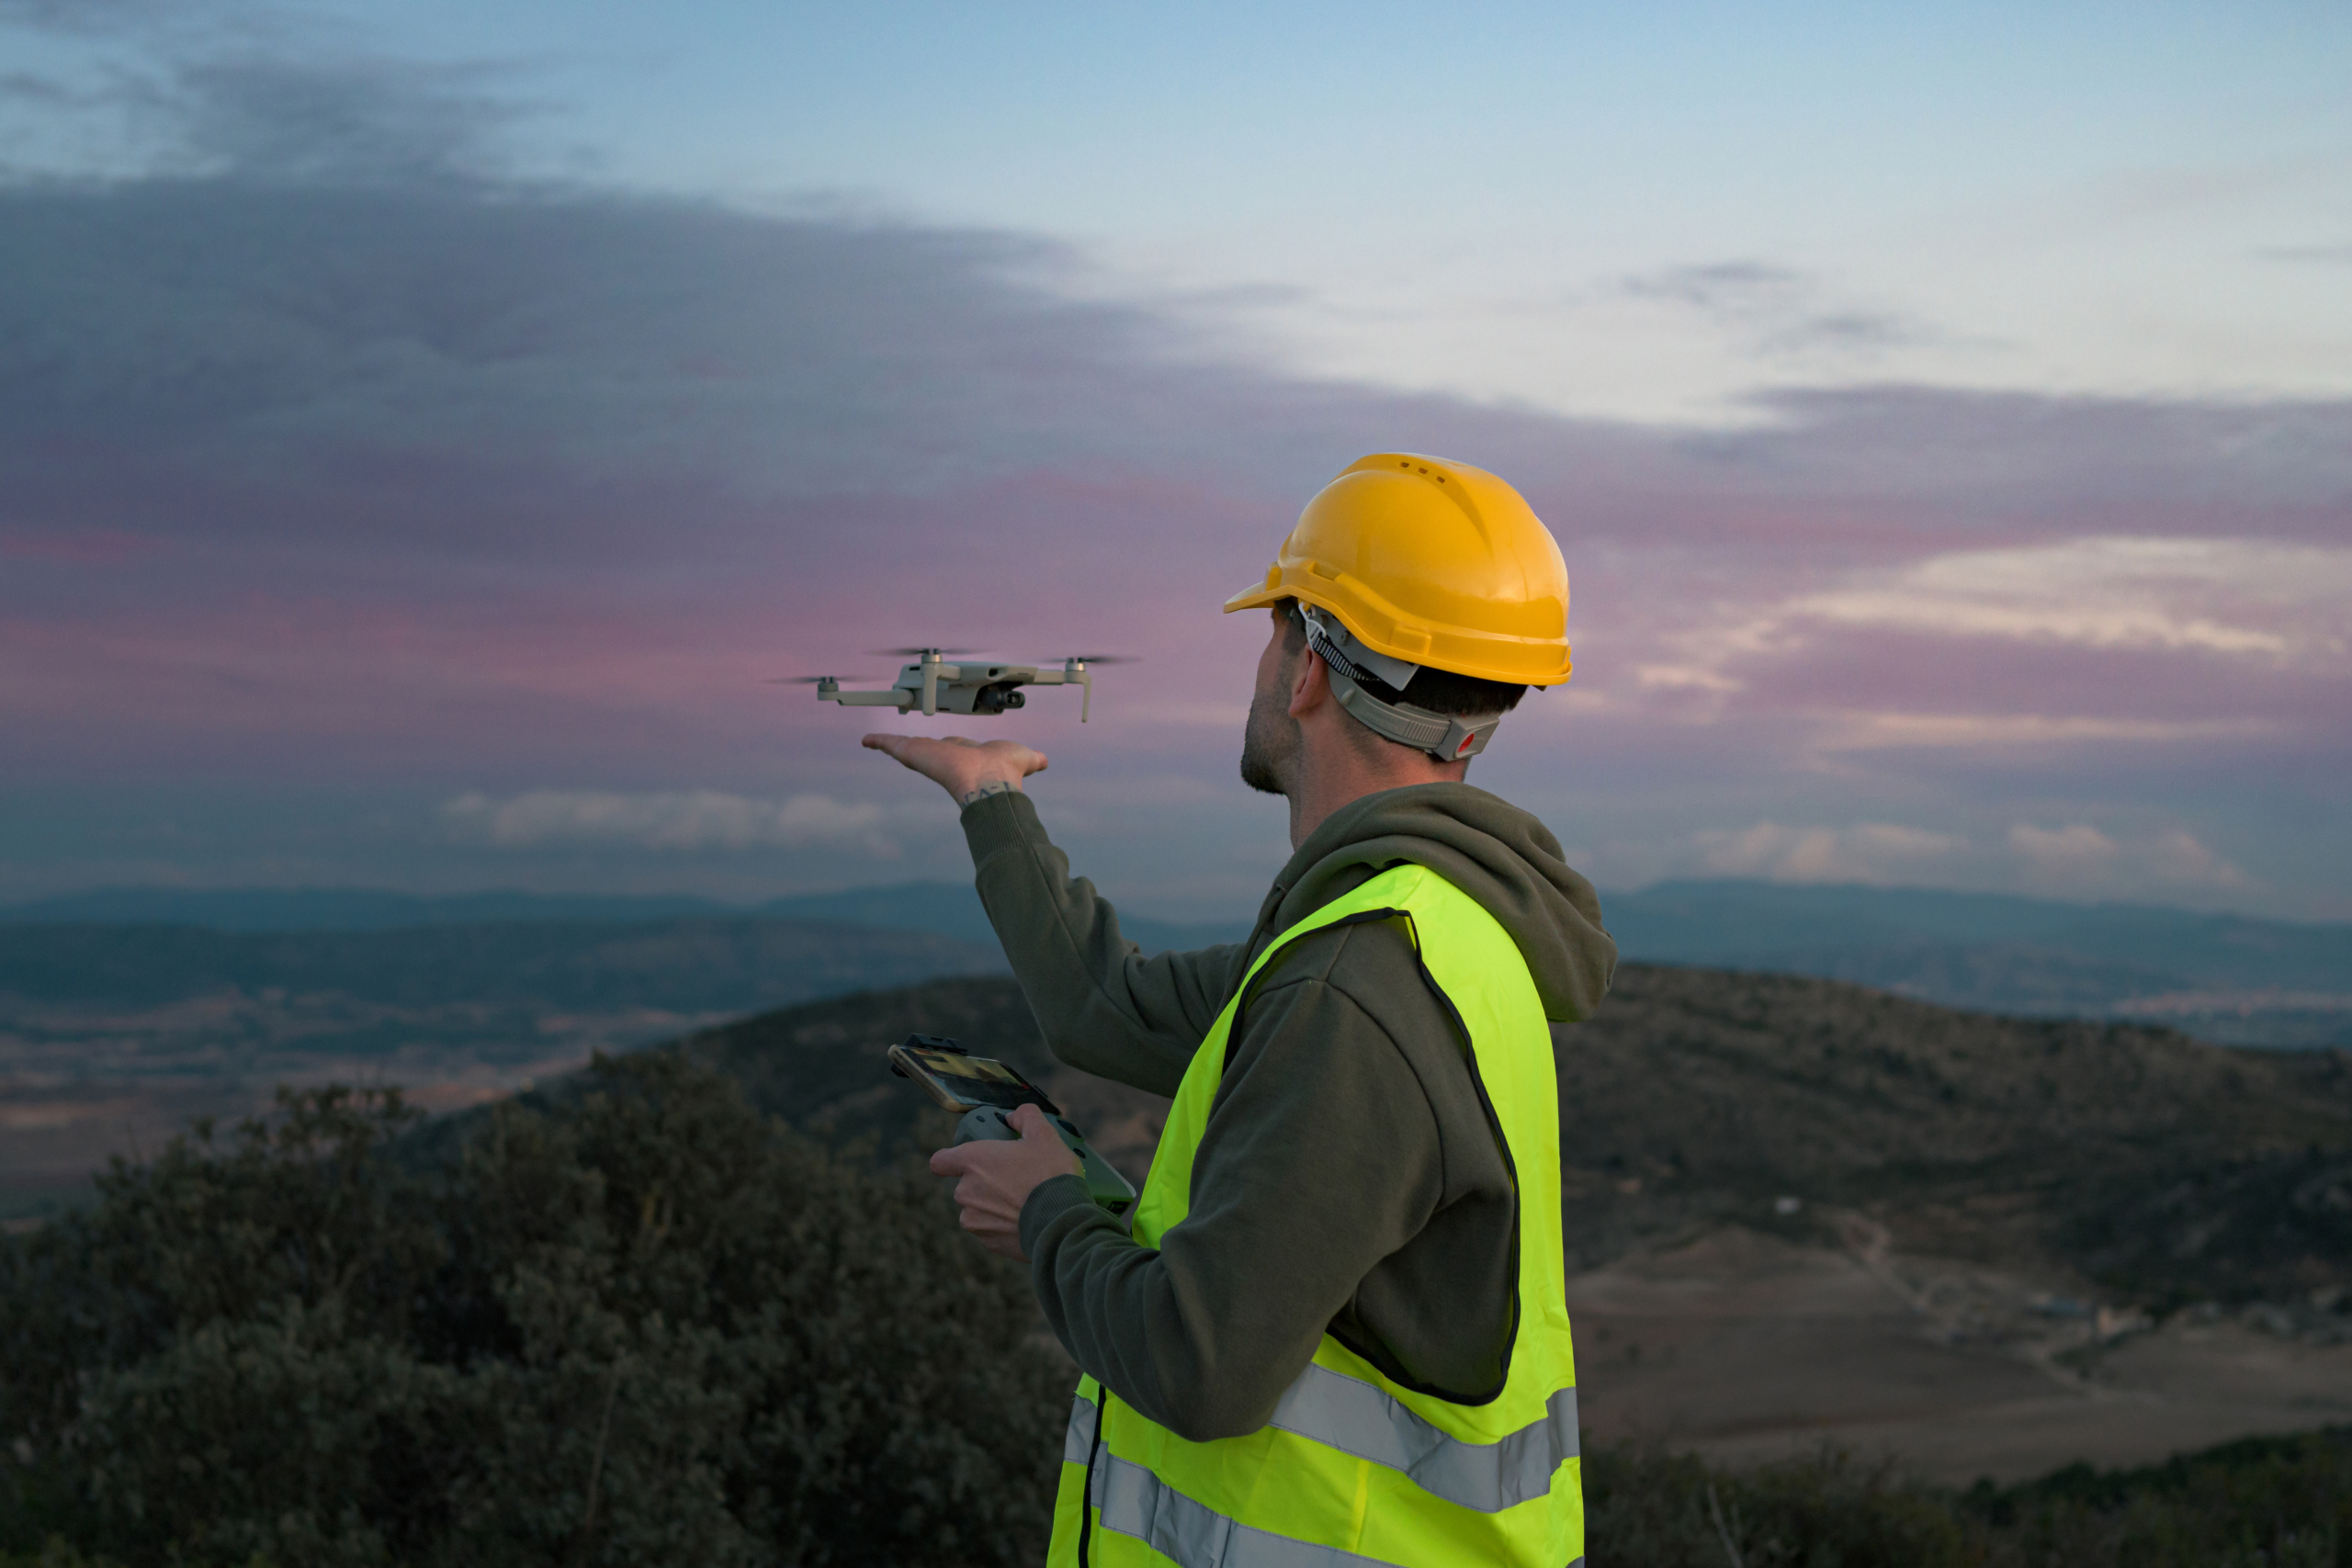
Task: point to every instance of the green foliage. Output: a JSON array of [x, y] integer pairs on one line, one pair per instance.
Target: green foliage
[[1655, 1510], [2264, 1503], [654, 1328], [2260, 1502], [54, 1552]]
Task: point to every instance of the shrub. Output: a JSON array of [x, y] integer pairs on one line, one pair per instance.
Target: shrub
[[654, 1328], [1649, 1510], [2259, 1503], [2263, 1503]]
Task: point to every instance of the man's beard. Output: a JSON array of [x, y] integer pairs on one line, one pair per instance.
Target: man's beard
[[1270, 743]]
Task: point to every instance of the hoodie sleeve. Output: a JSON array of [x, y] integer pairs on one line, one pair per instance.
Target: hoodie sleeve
[[1102, 1007], [1321, 1156]]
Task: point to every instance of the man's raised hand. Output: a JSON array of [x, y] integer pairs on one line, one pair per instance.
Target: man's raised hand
[[967, 769]]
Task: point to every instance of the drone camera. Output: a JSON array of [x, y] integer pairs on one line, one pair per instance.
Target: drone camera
[[998, 699]]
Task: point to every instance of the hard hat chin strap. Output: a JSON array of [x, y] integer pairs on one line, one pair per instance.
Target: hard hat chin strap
[[1447, 738]]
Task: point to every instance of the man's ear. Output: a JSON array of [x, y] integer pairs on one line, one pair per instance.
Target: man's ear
[[1311, 686]]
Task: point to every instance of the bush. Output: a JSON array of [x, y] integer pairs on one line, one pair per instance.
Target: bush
[[1647, 1509], [2260, 1502], [2264, 1503], [654, 1328]]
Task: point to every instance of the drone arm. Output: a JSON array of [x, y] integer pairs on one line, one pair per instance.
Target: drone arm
[[1085, 679], [890, 699]]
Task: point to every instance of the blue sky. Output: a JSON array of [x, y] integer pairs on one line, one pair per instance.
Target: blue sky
[[426, 429]]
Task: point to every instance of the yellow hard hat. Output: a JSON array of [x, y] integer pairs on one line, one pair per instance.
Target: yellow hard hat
[[1433, 562]]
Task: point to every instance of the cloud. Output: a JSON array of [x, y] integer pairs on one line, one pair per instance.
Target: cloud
[[683, 820], [2324, 255], [1779, 312], [2246, 598], [84, 16], [2063, 852], [49, 91], [382, 466], [359, 121], [1880, 853], [1983, 732], [2078, 861], [2101, 639], [1728, 288], [2073, 861]]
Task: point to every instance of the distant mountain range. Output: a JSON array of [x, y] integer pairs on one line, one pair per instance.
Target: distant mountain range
[[2224, 977], [730, 965], [941, 908]]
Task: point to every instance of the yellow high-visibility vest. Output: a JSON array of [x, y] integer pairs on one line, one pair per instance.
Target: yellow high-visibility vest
[[1355, 1471]]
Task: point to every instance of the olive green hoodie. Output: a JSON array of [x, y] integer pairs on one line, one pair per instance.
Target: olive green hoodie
[[1348, 1180]]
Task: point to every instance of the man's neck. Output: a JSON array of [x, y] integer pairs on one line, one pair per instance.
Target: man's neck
[[1331, 776]]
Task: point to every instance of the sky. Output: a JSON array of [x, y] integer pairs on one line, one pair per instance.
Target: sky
[[423, 437]]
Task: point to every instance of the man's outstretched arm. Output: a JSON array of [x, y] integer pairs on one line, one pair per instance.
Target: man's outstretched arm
[[1103, 1006]]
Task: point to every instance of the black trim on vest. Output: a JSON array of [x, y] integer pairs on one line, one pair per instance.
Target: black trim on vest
[[1494, 1124], [1086, 1487]]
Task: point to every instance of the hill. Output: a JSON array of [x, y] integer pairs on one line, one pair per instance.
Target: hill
[[2137, 1158], [1799, 1213]]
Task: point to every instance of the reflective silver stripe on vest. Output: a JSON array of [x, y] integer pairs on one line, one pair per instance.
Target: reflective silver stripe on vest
[[1077, 1438], [1135, 1502], [1352, 1416]]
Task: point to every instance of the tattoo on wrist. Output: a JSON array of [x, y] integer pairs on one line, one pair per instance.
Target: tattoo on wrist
[[994, 787]]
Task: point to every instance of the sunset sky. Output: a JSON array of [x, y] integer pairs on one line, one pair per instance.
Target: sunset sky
[[421, 437]]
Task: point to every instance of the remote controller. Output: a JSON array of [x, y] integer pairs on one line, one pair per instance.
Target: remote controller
[[1106, 1185]]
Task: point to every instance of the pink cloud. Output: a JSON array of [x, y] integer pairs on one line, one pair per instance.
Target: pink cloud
[[527, 541]]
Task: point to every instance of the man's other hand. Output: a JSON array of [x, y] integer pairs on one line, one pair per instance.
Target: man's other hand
[[967, 769], [996, 1176]]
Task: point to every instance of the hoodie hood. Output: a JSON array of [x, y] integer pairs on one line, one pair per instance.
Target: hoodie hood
[[1489, 849]]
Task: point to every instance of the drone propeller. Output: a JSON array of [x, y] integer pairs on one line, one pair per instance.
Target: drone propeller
[[1106, 657], [807, 679], [918, 652]]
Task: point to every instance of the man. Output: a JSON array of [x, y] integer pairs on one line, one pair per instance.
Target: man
[[1336, 1333]]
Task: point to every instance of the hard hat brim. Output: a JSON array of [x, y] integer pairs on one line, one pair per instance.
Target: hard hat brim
[[1514, 661]]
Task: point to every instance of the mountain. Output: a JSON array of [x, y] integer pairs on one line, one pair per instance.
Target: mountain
[[952, 908], [341, 909], [703, 966], [945, 908], [2224, 977]]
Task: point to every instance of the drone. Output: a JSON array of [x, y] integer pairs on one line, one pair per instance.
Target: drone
[[935, 685]]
